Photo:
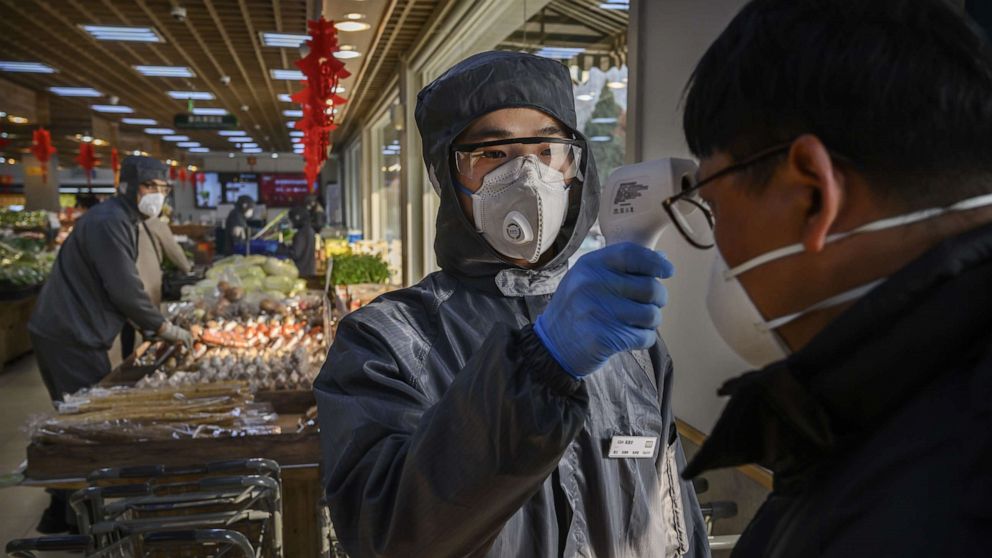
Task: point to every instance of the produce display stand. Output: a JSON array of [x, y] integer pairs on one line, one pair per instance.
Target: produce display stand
[[15, 311]]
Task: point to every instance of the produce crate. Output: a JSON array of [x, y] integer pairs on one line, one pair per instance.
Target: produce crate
[[14, 314]]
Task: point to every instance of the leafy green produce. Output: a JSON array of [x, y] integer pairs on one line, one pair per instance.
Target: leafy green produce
[[20, 269], [352, 269], [23, 219]]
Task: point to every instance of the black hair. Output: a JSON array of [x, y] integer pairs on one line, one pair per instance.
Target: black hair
[[901, 87]]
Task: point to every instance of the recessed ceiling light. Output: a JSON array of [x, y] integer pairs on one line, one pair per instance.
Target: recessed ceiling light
[[344, 54], [165, 71], [296, 134], [294, 75], [284, 97], [159, 131], [187, 144], [120, 33], [232, 132], [293, 113], [352, 26], [75, 91], [195, 95], [249, 145], [241, 139], [198, 150], [296, 140], [275, 155], [291, 124], [18, 119], [118, 109], [252, 150], [283, 40], [175, 138], [25, 67], [139, 121], [209, 111]]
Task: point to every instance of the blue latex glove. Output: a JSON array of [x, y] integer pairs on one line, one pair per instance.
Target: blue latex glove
[[609, 303]]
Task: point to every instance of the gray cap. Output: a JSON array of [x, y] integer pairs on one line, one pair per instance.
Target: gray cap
[[136, 170]]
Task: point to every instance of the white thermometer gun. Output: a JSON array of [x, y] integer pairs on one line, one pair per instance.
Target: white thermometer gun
[[630, 209]]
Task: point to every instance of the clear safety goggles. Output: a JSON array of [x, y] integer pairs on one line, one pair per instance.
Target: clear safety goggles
[[559, 155]]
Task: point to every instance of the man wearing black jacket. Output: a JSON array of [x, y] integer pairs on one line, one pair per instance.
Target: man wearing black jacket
[[845, 159]]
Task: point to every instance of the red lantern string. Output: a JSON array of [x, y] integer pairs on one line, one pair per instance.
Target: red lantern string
[[182, 175], [318, 99], [42, 150], [173, 173], [88, 160]]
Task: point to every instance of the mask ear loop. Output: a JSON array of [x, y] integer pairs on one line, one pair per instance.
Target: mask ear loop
[[835, 300]]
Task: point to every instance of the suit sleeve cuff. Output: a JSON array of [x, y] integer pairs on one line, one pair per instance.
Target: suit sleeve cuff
[[543, 367]]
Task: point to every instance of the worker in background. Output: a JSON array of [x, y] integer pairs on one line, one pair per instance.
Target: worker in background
[[473, 413], [156, 244], [844, 151], [236, 227], [94, 288], [318, 218], [303, 251]]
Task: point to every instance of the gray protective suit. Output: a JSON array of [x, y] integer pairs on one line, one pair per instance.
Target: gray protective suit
[[449, 430]]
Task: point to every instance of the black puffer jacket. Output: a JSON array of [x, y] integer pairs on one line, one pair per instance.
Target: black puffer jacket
[[880, 430], [447, 428]]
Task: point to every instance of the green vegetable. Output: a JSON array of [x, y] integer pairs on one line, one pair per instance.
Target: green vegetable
[[279, 283], [352, 269]]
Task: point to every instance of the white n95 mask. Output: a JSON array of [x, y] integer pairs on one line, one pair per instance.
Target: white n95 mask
[[151, 204], [520, 208], [742, 326]]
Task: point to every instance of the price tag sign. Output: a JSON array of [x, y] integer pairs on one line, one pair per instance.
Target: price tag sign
[[632, 447]]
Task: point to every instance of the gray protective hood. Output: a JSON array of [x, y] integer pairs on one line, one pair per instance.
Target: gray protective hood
[[474, 87], [136, 170]]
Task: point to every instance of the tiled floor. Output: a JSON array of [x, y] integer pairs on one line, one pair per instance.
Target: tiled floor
[[22, 394]]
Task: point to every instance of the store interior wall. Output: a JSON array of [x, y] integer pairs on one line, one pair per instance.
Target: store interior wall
[[667, 38]]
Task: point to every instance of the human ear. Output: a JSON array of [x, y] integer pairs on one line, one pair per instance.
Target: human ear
[[810, 162]]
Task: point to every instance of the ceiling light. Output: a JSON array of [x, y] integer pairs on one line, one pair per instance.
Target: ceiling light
[[294, 75], [194, 95], [584, 97], [139, 121], [296, 140], [352, 26], [603, 120], [560, 53], [283, 40], [241, 139], [165, 71], [99, 142], [230, 155], [18, 119], [25, 67], [296, 134], [209, 111], [85, 139], [159, 131], [284, 97], [252, 150], [75, 91], [275, 155], [243, 145], [188, 144], [347, 52], [118, 109], [175, 138], [291, 124], [293, 113], [616, 84], [198, 150], [600, 138], [232, 132], [119, 33]]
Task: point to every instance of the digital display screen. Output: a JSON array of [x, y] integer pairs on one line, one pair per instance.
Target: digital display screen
[[209, 193], [283, 189], [239, 184]]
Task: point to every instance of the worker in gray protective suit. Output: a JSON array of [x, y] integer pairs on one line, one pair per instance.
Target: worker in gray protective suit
[[94, 288], [483, 411]]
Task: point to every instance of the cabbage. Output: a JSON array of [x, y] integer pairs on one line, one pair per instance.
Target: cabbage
[[252, 284], [255, 260], [276, 267], [279, 283], [245, 271]]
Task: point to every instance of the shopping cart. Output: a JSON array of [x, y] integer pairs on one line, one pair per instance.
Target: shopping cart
[[161, 544]]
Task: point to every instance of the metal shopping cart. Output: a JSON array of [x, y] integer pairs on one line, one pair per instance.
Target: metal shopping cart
[[160, 544]]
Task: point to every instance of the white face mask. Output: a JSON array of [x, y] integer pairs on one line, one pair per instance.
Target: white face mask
[[249, 213], [151, 204], [520, 208], [743, 327]]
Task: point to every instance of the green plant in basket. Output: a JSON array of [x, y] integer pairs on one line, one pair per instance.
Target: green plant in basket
[[354, 269]]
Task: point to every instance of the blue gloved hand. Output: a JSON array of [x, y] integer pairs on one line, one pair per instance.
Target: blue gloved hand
[[609, 303]]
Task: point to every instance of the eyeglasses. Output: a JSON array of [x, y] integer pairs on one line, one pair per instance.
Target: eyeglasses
[[684, 204], [559, 155], [161, 188]]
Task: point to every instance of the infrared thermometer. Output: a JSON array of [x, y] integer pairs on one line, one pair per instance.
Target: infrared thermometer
[[630, 209]]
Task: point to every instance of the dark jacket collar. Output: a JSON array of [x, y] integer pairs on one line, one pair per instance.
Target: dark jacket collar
[[929, 318]]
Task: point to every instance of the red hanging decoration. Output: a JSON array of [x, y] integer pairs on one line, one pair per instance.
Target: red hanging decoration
[[42, 150], [201, 178], [319, 98], [182, 175], [88, 160], [173, 173]]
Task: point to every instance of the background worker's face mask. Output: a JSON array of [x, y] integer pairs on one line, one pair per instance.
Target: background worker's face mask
[[743, 327], [521, 205], [151, 204]]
